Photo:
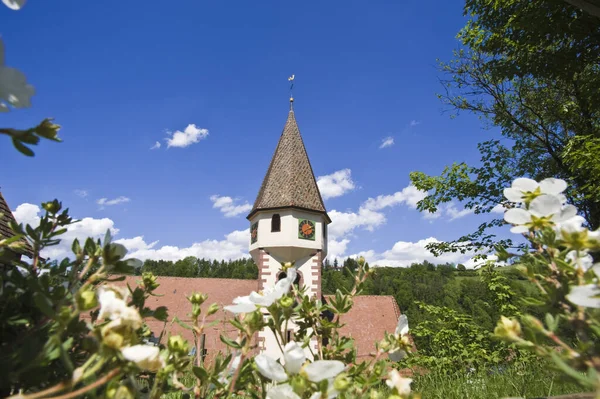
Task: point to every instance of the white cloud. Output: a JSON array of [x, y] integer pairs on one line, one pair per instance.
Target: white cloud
[[81, 193], [86, 227], [109, 202], [234, 246], [409, 195], [345, 222], [27, 214], [190, 135], [228, 206], [405, 253], [336, 184], [336, 249], [156, 146], [387, 142], [454, 213], [414, 123]]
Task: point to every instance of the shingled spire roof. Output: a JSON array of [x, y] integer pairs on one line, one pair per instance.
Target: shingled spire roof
[[6, 231], [290, 181]]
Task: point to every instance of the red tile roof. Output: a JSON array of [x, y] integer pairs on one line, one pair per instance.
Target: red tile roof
[[367, 321]]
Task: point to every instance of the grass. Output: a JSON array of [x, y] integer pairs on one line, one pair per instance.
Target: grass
[[535, 381]]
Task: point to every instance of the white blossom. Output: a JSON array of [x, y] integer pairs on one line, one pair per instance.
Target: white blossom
[[14, 4], [14, 88], [322, 370], [294, 357], [241, 304], [270, 368], [575, 225], [545, 206], [295, 363], [113, 306], [585, 295], [401, 384], [401, 331], [245, 304], [523, 186], [146, 357], [284, 391], [582, 260]]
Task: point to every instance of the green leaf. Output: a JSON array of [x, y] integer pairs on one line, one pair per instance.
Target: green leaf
[[161, 313], [43, 303], [22, 148], [200, 373], [229, 342]]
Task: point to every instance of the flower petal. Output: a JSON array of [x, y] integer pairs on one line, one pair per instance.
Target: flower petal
[[270, 368], [517, 216], [241, 304], [401, 384], [573, 225], [596, 269], [513, 194], [582, 260], [14, 4], [519, 230], [402, 327], [146, 357], [553, 186], [545, 205], [284, 391], [585, 295], [294, 357], [323, 369], [525, 184], [566, 213]]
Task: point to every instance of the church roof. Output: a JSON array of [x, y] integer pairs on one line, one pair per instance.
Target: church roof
[[5, 230], [367, 322], [290, 181]]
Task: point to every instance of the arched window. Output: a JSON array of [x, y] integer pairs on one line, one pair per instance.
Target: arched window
[[276, 223]]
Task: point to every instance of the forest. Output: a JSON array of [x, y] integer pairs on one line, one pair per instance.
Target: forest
[[448, 285]]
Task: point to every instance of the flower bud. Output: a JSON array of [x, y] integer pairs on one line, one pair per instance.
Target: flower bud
[[48, 130], [149, 281], [178, 345], [113, 339], [87, 300], [52, 206], [212, 309], [341, 382], [287, 265], [254, 320], [286, 302], [533, 323], [198, 298], [361, 261], [507, 328]]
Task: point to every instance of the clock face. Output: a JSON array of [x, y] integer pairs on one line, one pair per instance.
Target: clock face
[[253, 233], [306, 229]]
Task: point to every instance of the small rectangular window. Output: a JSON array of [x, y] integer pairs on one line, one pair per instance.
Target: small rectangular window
[[275, 223]]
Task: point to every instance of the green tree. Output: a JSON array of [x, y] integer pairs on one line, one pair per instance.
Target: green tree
[[530, 69]]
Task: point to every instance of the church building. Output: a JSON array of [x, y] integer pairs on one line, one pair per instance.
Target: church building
[[288, 223]]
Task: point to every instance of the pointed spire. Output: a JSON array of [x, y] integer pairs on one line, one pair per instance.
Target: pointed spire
[[290, 181]]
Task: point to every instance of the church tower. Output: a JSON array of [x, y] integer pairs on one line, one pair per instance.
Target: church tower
[[288, 222]]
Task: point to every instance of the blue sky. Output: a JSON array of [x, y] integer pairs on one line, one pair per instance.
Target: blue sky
[[121, 76]]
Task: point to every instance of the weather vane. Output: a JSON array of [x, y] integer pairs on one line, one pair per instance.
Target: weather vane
[[291, 80]]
